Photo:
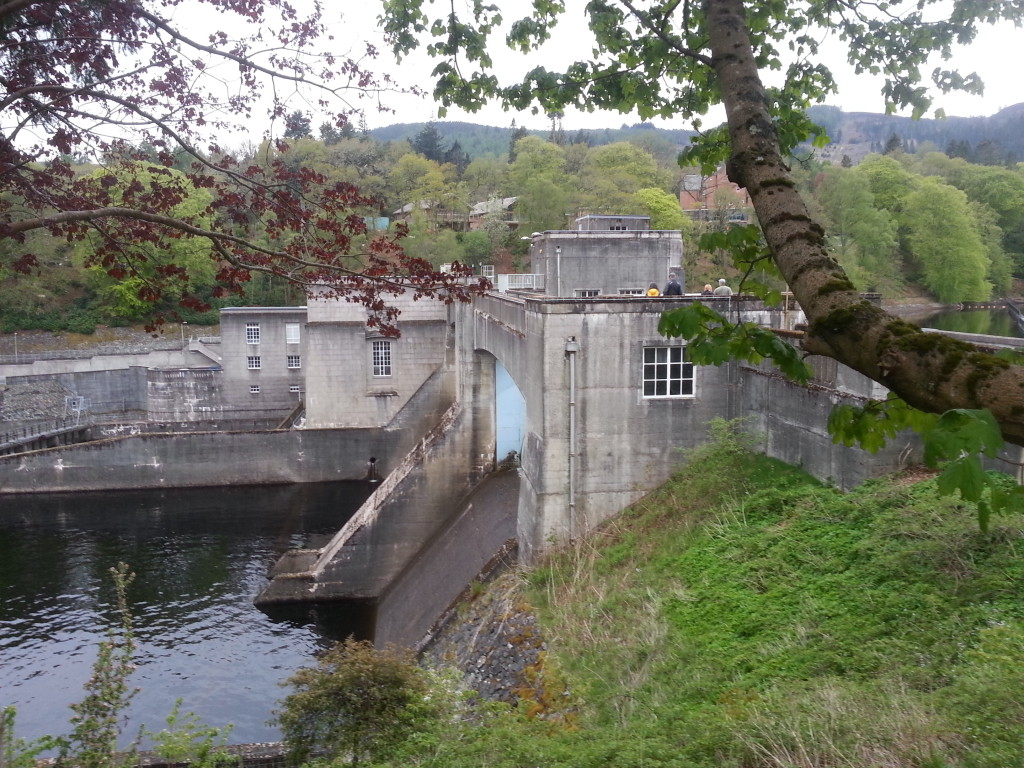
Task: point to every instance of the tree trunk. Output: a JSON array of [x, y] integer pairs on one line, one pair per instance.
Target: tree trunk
[[929, 371]]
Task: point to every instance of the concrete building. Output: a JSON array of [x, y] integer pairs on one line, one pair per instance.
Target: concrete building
[[606, 256], [263, 357], [357, 377]]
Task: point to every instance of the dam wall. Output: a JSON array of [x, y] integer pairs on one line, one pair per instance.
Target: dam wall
[[202, 459]]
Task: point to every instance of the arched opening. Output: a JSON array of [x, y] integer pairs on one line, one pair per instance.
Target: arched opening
[[510, 414]]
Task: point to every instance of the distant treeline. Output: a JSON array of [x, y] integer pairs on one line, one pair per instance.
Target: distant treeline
[[482, 140], [994, 140]]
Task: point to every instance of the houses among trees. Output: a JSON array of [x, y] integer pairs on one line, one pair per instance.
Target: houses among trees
[[474, 209]]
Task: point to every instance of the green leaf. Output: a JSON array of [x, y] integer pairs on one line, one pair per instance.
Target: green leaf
[[964, 475], [984, 515], [686, 322], [871, 425], [962, 431]]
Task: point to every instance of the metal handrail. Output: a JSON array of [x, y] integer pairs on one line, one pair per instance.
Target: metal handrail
[[36, 430]]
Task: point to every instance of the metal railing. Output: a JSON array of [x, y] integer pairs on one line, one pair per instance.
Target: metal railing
[[517, 282], [32, 431]]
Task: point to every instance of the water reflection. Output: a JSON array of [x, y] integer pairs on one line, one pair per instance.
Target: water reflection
[[200, 556], [993, 322]]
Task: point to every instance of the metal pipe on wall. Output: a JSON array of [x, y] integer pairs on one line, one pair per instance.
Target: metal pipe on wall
[[571, 348], [558, 270]]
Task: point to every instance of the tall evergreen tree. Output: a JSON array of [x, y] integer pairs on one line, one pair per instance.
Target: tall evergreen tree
[[517, 134], [557, 134], [583, 137], [297, 126], [893, 144], [457, 156], [429, 143], [329, 135], [959, 148]]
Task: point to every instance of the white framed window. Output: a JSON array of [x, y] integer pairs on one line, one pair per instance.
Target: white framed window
[[632, 292], [294, 361], [253, 362], [294, 388], [667, 372], [254, 389], [382, 358], [252, 333], [291, 333], [585, 293]]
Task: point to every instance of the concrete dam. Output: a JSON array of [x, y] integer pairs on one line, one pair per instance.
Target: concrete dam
[[605, 409]]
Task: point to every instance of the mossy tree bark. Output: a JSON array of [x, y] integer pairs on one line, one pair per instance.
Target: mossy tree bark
[[930, 371]]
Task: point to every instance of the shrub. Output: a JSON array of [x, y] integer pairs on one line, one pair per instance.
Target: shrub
[[357, 703], [18, 753], [186, 740]]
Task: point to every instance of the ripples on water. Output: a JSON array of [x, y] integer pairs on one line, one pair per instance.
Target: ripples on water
[[200, 558]]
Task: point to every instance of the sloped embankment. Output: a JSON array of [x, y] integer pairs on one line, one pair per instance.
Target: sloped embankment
[[746, 615]]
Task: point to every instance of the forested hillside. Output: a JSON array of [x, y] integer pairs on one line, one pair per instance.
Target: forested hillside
[[986, 140], [994, 140], [479, 140], [947, 223]]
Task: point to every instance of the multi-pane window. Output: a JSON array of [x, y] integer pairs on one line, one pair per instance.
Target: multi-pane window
[[291, 333], [294, 361], [586, 293], [252, 333], [254, 389], [632, 292], [667, 372], [253, 362], [382, 358]]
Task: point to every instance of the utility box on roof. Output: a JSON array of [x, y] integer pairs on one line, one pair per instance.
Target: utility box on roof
[[603, 223]]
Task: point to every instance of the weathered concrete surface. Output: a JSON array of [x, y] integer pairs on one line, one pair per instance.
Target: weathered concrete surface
[[179, 357], [107, 391], [278, 337], [200, 459], [573, 261], [451, 559], [593, 443], [179, 459], [792, 423], [407, 511], [343, 386]]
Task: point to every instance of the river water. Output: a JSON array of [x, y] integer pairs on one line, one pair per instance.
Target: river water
[[994, 322], [200, 557]]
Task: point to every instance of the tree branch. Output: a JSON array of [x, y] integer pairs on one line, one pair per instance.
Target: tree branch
[[929, 371]]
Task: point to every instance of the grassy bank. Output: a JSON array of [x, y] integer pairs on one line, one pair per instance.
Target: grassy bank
[[747, 615]]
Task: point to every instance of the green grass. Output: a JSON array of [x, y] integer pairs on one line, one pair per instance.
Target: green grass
[[746, 615]]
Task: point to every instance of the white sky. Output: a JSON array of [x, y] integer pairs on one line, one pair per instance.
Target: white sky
[[353, 22], [993, 56]]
